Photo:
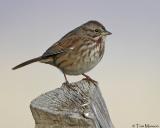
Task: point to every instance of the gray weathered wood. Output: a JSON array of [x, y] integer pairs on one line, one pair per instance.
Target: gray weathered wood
[[77, 105]]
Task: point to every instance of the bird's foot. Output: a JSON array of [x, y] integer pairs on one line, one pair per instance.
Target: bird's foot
[[69, 86], [66, 82], [90, 79]]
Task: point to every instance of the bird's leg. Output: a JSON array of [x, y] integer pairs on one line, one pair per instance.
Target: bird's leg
[[69, 86], [65, 78], [90, 79]]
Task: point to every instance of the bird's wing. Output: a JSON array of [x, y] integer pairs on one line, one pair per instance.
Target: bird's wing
[[63, 45]]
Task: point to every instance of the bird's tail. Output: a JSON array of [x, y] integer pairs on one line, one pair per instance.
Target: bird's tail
[[27, 62]]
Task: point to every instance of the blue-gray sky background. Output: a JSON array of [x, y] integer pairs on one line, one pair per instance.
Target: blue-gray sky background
[[129, 74]]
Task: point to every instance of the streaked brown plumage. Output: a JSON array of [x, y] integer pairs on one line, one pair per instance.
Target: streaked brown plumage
[[77, 52]]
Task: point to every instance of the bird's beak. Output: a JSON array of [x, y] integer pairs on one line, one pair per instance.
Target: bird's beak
[[106, 33]]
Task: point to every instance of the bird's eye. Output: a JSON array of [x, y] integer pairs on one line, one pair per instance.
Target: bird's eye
[[97, 30]]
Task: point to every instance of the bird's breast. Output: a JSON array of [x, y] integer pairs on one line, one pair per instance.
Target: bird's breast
[[83, 59]]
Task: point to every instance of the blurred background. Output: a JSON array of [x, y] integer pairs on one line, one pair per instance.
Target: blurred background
[[128, 75]]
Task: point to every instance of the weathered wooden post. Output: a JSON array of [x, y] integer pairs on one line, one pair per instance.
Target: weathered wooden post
[[77, 105]]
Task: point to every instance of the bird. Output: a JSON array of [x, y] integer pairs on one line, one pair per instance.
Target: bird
[[77, 52]]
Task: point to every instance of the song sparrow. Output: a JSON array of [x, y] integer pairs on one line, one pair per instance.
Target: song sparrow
[[77, 52]]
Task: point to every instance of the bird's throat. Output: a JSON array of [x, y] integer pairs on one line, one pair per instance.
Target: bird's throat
[[98, 40]]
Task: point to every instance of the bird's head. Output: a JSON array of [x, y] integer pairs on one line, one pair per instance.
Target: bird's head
[[95, 29]]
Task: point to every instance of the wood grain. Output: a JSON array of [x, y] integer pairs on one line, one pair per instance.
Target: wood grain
[[74, 105]]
